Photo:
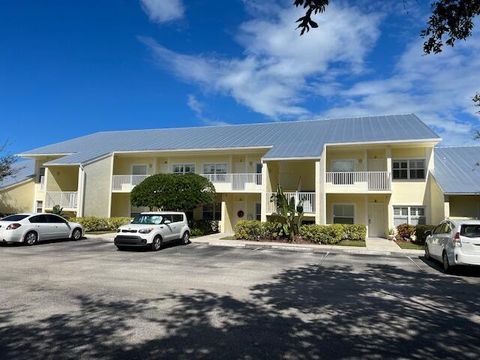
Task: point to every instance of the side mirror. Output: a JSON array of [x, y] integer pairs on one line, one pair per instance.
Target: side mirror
[[428, 232], [166, 222]]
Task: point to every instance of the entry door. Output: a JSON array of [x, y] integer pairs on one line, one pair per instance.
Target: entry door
[[376, 220]]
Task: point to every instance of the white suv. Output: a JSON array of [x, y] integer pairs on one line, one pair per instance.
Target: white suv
[[153, 229], [454, 242]]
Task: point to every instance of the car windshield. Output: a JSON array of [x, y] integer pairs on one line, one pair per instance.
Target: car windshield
[[471, 231], [147, 219], [14, 218]]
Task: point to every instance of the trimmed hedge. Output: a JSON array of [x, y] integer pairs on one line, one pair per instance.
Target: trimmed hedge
[[318, 234], [420, 231], [333, 234], [93, 223]]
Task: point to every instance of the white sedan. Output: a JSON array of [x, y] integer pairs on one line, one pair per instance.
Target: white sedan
[[32, 228]]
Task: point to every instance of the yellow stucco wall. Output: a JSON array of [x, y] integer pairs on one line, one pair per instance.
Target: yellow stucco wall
[[293, 173], [120, 205], [17, 198], [98, 188], [62, 178], [437, 202], [465, 206]]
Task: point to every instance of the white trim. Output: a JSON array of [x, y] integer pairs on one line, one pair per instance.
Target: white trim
[[263, 159], [406, 142]]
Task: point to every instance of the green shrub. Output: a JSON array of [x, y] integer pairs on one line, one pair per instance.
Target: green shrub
[[272, 230], [203, 227], [332, 234], [420, 231], [248, 230], [93, 223], [197, 232], [405, 231]]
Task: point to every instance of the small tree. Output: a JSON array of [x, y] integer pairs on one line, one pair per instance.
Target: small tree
[[6, 164], [58, 210], [289, 215], [173, 192]]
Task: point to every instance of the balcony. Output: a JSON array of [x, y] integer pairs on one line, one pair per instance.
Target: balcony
[[236, 182], [65, 199], [358, 182], [308, 199], [223, 182], [125, 183]]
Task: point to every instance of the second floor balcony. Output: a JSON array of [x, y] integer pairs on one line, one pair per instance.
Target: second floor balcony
[[358, 182], [230, 182], [67, 200]]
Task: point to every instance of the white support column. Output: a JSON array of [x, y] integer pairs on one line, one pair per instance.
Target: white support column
[[80, 191], [388, 156], [446, 206], [265, 187], [320, 195]]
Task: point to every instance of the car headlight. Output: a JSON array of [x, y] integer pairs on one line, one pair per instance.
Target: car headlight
[[145, 231]]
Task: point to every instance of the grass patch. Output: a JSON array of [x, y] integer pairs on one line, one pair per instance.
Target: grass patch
[[409, 245], [228, 238], [357, 243]]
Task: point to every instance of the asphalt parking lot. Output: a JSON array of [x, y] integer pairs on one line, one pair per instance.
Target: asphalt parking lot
[[86, 300]]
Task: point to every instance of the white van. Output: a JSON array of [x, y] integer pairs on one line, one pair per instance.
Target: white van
[[153, 229], [454, 242]]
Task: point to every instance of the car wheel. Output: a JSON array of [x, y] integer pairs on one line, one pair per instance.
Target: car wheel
[[156, 243], [31, 238], [76, 234], [427, 252], [186, 238], [446, 264], [121, 248]]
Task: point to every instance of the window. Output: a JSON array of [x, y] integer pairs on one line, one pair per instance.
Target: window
[[470, 231], [183, 168], [215, 168], [147, 219], [343, 214], [41, 178], [177, 217], [258, 211], [38, 219], [413, 215], [39, 206], [139, 169], [212, 211], [15, 218], [217, 171], [409, 169], [53, 219]]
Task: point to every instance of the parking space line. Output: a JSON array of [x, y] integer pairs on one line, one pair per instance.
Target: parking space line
[[423, 270]]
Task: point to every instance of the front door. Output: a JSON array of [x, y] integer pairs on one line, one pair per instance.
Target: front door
[[376, 220]]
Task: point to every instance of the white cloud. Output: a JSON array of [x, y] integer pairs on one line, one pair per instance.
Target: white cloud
[[438, 88], [199, 110], [273, 76], [160, 11]]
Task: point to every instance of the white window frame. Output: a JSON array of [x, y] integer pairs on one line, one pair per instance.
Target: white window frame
[[215, 172], [408, 218], [343, 204], [38, 206], [408, 160], [134, 165], [184, 165]]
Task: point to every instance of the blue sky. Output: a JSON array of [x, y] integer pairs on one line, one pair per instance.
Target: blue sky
[[72, 68]]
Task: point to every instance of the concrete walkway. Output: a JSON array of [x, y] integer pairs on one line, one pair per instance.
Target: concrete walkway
[[379, 244]]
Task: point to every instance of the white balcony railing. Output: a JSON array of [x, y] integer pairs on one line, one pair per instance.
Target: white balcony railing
[[358, 181], [125, 183], [65, 199], [235, 182], [308, 199]]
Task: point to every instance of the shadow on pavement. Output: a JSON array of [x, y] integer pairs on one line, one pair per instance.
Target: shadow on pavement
[[308, 312]]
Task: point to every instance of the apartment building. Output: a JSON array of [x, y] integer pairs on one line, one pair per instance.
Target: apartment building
[[378, 171]]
